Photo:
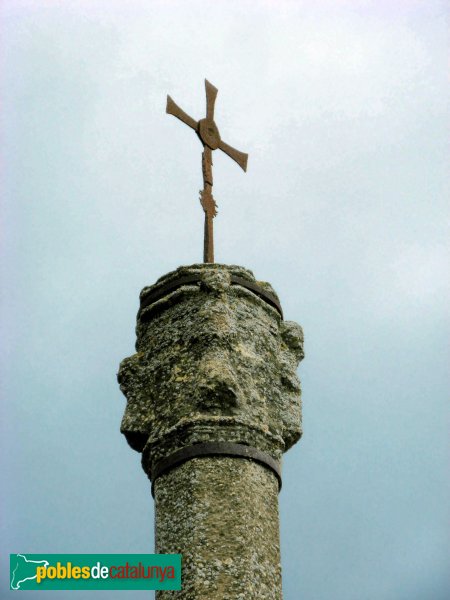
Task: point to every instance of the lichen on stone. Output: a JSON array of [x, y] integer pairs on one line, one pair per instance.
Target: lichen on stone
[[214, 362]]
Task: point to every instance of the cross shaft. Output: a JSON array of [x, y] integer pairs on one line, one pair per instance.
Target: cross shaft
[[209, 135]]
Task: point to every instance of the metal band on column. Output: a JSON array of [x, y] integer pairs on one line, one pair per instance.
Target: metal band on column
[[166, 288], [215, 449]]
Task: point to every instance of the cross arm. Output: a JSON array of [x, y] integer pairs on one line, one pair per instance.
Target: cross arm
[[240, 157], [173, 109], [211, 93]]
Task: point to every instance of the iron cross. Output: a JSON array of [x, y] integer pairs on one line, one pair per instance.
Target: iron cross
[[207, 131]]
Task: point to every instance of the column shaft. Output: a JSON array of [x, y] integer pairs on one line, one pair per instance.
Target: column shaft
[[221, 514]]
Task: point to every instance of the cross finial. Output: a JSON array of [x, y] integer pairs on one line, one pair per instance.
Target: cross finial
[[207, 131]]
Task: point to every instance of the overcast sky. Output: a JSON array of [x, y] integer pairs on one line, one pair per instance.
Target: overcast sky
[[341, 106]]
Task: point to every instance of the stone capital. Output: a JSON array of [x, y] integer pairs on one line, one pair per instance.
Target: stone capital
[[215, 362]]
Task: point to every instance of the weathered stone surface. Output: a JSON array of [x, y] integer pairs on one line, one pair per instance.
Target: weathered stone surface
[[215, 362], [227, 510]]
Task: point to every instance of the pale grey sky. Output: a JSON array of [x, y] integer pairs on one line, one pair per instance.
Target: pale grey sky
[[342, 107]]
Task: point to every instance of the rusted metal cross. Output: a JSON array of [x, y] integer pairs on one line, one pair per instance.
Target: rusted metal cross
[[207, 131]]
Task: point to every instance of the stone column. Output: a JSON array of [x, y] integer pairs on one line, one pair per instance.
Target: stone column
[[213, 402]]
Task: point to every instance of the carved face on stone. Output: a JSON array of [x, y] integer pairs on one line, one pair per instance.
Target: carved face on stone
[[213, 359]]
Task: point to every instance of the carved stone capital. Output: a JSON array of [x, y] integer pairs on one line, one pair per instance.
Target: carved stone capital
[[215, 362]]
